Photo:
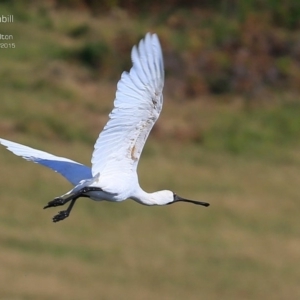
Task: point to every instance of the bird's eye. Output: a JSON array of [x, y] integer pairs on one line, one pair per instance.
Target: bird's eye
[[174, 196]]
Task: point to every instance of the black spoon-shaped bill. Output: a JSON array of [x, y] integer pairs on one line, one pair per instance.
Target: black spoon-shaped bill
[[180, 199]]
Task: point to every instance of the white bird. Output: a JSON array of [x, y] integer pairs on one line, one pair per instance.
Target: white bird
[[113, 176]]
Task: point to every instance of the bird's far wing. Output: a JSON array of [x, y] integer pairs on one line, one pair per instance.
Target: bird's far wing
[[137, 106], [71, 170]]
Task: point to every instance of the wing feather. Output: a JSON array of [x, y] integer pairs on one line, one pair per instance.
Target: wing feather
[[137, 106], [71, 170]]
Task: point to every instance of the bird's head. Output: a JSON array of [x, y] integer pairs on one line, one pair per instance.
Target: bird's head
[[168, 197]]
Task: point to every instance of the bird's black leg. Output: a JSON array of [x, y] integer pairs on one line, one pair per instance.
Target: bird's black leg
[[58, 201], [69, 197], [64, 213]]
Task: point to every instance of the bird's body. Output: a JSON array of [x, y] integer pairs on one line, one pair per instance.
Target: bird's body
[[113, 176]]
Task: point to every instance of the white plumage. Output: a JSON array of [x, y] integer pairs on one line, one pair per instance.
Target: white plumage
[[113, 175]]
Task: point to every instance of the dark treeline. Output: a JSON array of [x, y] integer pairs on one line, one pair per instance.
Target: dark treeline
[[210, 46], [283, 13]]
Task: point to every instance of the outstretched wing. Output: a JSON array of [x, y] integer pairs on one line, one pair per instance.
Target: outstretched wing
[[71, 170], [137, 106]]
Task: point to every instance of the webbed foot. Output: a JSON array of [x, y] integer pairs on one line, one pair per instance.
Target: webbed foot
[[61, 216], [56, 202]]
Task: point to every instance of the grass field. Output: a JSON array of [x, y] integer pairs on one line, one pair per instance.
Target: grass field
[[246, 245], [246, 163]]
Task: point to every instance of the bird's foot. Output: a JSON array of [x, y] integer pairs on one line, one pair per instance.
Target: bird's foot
[[62, 200], [56, 202], [61, 216]]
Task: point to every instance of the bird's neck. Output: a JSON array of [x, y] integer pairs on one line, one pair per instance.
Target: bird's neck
[[145, 198]]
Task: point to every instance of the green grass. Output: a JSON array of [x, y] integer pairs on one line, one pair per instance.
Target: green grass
[[258, 131], [244, 161]]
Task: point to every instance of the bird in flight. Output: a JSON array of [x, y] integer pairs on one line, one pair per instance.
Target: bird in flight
[[113, 175]]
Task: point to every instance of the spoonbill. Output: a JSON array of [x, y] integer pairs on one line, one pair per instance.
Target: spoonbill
[[113, 175]]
